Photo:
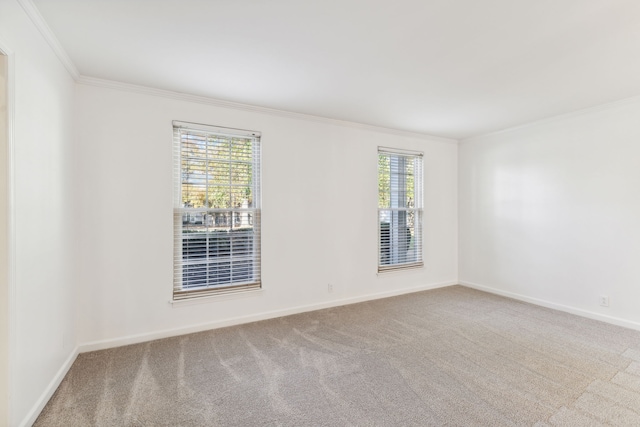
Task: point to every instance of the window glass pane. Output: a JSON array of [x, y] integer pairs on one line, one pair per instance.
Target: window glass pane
[[409, 183], [218, 172], [384, 187], [219, 197], [219, 148]]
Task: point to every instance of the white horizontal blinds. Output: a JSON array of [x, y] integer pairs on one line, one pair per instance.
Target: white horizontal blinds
[[216, 210], [399, 209]]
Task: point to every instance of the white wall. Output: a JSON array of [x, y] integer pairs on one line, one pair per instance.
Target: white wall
[[43, 309], [551, 212], [319, 216]]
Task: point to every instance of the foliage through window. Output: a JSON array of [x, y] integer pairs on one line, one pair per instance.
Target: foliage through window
[[399, 209], [216, 210]]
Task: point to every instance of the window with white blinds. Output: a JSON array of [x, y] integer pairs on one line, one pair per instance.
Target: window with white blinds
[[216, 211], [399, 209]]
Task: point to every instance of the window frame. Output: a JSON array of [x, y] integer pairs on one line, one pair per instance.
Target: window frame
[[253, 216], [418, 209]]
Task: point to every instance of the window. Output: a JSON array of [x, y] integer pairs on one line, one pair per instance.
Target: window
[[399, 209], [216, 210]]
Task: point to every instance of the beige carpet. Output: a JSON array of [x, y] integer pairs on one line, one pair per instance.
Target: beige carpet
[[451, 356]]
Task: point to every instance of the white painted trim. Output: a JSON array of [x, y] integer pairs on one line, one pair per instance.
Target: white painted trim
[[231, 295], [150, 336], [34, 14], [552, 119], [11, 202], [400, 269], [544, 303], [11, 234], [49, 390], [145, 90]]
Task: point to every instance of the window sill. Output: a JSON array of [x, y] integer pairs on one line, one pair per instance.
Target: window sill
[[400, 267], [229, 295]]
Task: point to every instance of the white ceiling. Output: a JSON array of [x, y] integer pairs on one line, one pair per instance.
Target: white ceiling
[[453, 68]]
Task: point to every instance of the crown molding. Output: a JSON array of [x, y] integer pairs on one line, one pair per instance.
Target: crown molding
[[34, 14], [556, 118], [145, 90]]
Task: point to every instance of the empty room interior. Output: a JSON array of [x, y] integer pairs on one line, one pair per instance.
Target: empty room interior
[[242, 213]]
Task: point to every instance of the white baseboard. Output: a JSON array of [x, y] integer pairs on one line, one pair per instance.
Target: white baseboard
[[138, 338], [49, 390], [544, 303]]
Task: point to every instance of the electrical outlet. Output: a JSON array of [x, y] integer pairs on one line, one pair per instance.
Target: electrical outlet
[[329, 287], [604, 301]]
